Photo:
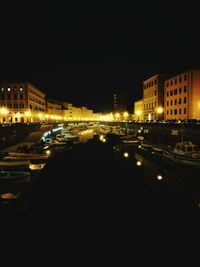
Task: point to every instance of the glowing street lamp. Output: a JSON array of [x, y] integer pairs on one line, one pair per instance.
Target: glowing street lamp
[[125, 115], [160, 111], [117, 116], [4, 112], [138, 113]]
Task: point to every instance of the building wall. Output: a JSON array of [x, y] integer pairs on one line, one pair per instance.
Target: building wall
[[182, 96], [17, 98], [153, 96], [139, 110], [54, 109]]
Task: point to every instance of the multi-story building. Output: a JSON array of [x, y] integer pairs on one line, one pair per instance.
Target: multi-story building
[[153, 96], [54, 109], [20, 102], [139, 110], [182, 96], [120, 102]]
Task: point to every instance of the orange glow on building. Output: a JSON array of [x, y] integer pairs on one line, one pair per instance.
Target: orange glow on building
[[182, 96]]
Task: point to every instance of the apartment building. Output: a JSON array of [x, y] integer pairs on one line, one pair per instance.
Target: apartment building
[[153, 97], [182, 96], [20, 102]]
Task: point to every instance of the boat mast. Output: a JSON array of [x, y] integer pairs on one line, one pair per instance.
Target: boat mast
[[182, 133]]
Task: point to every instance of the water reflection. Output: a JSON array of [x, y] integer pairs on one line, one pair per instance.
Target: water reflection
[[162, 176]]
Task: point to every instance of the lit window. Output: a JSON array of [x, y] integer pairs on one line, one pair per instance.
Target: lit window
[[8, 89], [21, 89]]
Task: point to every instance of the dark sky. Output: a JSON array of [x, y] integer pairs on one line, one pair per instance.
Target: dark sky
[[84, 58]]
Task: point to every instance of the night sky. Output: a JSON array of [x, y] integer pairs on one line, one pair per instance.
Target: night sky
[[84, 58]]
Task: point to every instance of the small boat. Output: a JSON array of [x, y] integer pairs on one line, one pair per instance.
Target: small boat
[[146, 146], [130, 139], [185, 153], [6, 165], [14, 177], [27, 156]]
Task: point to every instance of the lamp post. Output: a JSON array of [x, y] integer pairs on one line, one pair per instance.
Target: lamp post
[[138, 114], [4, 112], [160, 111], [28, 115]]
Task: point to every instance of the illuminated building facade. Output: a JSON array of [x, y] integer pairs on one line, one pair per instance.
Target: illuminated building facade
[[20, 102], [153, 96], [54, 109], [139, 110], [182, 96]]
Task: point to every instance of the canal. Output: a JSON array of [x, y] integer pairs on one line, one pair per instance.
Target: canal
[[124, 175]]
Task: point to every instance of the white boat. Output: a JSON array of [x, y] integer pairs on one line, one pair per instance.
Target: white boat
[[130, 139], [185, 153], [26, 156], [6, 165]]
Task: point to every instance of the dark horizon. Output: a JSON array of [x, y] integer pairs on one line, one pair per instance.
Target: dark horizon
[[84, 60]]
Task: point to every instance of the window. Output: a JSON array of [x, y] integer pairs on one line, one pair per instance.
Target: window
[[21, 89], [185, 89], [179, 110], [15, 89], [180, 90], [171, 112], [185, 100], [175, 102], [171, 82], [155, 103], [167, 112], [15, 97], [175, 112], [155, 92], [175, 81], [167, 93], [185, 77], [155, 81], [21, 96], [8, 96], [175, 91], [180, 101], [171, 92], [180, 79], [185, 111], [167, 84], [2, 96], [171, 102], [8, 89], [2, 89], [167, 103]]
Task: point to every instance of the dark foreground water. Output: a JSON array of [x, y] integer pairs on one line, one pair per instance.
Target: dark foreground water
[[120, 180]]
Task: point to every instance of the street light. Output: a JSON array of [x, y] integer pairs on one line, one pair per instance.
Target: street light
[[4, 112], [138, 113], [160, 110]]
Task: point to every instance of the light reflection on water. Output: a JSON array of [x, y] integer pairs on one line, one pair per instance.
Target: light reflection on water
[[163, 175]]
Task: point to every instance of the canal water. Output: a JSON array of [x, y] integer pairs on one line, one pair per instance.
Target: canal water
[[111, 177]]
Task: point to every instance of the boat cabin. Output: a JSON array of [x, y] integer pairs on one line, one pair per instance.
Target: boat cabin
[[185, 148]]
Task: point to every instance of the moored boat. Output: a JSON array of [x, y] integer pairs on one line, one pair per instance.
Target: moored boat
[[6, 165], [185, 153], [14, 177]]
